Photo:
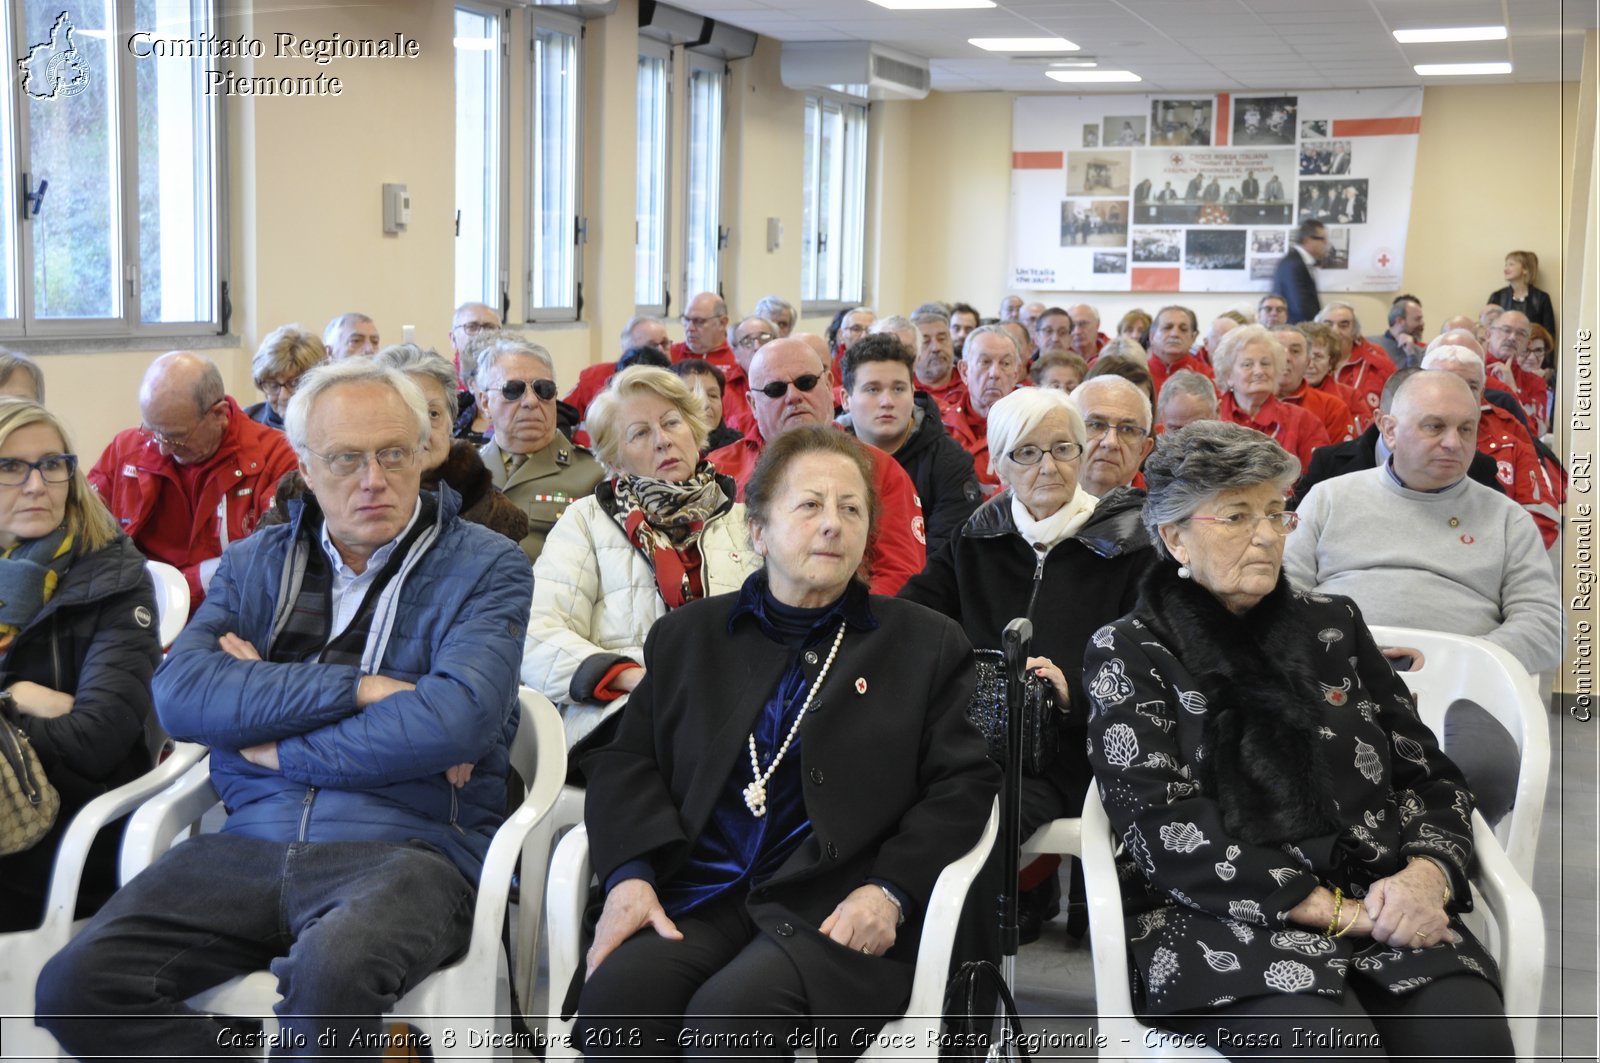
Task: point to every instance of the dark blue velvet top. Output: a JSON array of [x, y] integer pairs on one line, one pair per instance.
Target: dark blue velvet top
[[736, 850]]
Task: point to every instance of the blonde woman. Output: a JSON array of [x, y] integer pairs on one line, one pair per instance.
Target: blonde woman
[[279, 363]]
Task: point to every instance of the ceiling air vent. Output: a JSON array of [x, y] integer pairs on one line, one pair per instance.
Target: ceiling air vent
[[856, 68]]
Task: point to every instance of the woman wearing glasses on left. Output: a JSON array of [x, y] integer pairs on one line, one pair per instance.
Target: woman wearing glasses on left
[[78, 645]]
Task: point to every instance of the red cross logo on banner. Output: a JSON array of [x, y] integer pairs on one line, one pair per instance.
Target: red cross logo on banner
[[1384, 260]]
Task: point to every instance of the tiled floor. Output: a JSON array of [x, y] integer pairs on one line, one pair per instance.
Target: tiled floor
[[1055, 980]]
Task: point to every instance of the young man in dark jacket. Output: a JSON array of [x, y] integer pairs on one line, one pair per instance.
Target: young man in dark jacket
[[884, 410], [355, 674]]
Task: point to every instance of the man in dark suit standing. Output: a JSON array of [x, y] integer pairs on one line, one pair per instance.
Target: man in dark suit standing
[[1196, 185], [1293, 278], [1363, 452], [1250, 188]]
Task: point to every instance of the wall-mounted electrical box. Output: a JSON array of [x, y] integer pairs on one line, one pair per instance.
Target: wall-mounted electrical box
[[396, 208]]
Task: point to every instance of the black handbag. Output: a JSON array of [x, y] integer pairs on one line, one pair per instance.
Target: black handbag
[[981, 1020], [1041, 718]]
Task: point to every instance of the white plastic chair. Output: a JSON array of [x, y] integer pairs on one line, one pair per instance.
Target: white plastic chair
[[477, 987], [27, 951], [567, 895], [567, 813], [1457, 668], [172, 601], [1502, 902]]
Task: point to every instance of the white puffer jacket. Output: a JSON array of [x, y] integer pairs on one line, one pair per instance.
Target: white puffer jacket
[[595, 594]]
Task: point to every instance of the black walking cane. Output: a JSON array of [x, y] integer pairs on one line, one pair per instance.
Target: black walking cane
[[1015, 641]]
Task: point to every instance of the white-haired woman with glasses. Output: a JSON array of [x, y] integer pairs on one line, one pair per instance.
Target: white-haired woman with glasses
[[78, 646], [1296, 847], [1046, 549], [661, 531]]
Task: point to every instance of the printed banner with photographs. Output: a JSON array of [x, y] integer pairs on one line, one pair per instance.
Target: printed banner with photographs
[[1201, 193]]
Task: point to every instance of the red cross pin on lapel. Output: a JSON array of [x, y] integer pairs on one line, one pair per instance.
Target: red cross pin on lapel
[[861, 686]]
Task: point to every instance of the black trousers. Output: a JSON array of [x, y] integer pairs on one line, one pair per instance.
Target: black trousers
[[1458, 1018], [727, 990]]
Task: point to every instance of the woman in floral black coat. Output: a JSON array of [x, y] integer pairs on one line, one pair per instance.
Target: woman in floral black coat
[[1296, 845]]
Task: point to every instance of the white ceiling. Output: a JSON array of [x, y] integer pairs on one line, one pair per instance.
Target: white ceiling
[[1190, 45]]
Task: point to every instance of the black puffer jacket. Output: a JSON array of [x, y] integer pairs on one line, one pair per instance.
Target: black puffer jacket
[[984, 577], [941, 471], [97, 640]]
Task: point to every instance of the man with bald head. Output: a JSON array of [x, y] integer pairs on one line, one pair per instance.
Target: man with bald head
[[1416, 543], [705, 331], [196, 475], [791, 386], [1503, 438], [1011, 309], [1030, 315]]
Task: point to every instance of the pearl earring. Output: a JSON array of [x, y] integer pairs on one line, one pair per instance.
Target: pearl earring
[[1183, 572]]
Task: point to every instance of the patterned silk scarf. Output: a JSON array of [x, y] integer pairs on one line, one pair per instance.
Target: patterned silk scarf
[[664, 520]]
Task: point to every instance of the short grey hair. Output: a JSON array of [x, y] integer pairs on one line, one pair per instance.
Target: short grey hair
[[1017, 414], [1127, 347], [338, 325], [412, 359], [898, 326], [475, 346], [1194, 464], [1237, 340], [1355, 319], [287, 351], [634, 322], [1449, 354], [771, 305], [13, 362], [330, 375], [967, 346], [1084, 392], [1188, 382], [503, 347]]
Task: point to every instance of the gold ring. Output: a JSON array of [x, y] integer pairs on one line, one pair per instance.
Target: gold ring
[[1421, 934], [866, 950]]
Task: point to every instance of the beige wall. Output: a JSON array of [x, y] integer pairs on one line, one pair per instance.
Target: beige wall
[[952, 229], [307, 241]]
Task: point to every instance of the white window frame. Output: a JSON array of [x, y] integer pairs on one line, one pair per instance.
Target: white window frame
[[661, 52], [126, 324], [841, 179], [570, 308], [716, 69], [500, 297]]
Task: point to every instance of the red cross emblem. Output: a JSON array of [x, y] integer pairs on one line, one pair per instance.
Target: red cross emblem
[[1384, 260]]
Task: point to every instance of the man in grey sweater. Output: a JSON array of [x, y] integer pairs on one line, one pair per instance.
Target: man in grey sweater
[[1418, 544]]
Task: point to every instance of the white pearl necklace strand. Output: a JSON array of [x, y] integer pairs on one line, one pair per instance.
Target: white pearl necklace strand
[[755, 795]]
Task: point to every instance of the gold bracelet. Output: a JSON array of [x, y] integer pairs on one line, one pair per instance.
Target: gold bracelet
[[1338, 906], [1350, 924]]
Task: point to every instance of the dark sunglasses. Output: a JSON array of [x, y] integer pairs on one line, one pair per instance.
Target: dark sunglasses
[[779, 388], [513, 390]]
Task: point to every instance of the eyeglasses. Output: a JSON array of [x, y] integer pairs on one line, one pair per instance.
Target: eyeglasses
[[696, 322], [1507, 330], [750, 343], [1126, 433], [53, 469], [162, 439], [472, 328], [779, 388], [350, 462], [273, 388], [1283, 523], [513, 390], [853, 330], [1028, 454], [1055, 333]]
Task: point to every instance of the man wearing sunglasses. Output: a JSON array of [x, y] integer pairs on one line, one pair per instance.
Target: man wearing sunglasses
[[705, 332], [790, 387], [536, 466], [196, 475]]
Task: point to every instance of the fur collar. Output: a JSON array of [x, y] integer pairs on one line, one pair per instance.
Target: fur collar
[[1265, 765], [464, 471]]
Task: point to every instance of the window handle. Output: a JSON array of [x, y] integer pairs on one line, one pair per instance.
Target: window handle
[[31, 198]]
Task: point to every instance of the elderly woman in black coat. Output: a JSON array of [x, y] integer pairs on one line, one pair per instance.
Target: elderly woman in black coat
[[787, 781], [78, 645], [1296, 845], [1046, 549]]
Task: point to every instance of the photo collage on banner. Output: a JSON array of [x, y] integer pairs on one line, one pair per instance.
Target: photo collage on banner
[[1203, 193]]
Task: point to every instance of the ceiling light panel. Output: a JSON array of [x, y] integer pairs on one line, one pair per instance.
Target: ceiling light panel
[[1078, 76], [1023, 44], [1461, 69], [1447, 35], [932, 5]]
